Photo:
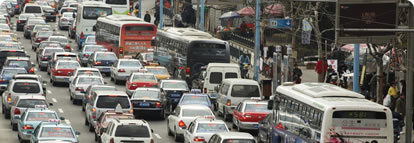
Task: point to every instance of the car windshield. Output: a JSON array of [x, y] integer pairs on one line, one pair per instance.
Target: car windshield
[[88, 72], [60, 40], [37, 27], [103, 89], [144, 78], [92, 48], [245, 91], [106, 56], [33, 9], [40, 116], [157, 70], [69, 65], [132, 130], [239, 141], [95, 12], [51, 51], [146, 94], [67, 57], [111, 101], [48, 44], [134, 64], [6, 38], [56, 132], [90, 80], [8, 73], [176, 85], [25, 16], [25, 87], [9, 45], [211, 128], [30, 103], [196, 113], [189, 99], [110, 117], [90, 39], [256, 108], [45, 34], [19, 63]]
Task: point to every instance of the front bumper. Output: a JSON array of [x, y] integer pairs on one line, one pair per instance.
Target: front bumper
[[249, 125], [60, 78]]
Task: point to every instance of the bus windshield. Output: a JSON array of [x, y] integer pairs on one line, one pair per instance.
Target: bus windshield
[[95, 12]]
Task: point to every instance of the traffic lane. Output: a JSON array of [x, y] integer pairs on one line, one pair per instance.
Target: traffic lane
[[7, 135]]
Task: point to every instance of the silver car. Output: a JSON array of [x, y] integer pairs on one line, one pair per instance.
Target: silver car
[[63, 40], [65, 20], [24, 102], [87, 51], [46, 55], [122, 68], [79, 85]]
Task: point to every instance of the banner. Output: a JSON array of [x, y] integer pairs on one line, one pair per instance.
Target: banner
[[334, 64]]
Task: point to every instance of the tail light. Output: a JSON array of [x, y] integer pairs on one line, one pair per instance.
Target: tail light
[[68, 46], [9, 97], [244, 117], [205, 90], [94, 113], [121, 70], [38, 40], [97, 63], [199, 139], [58, 71], [44, 58], [181, 124], [187, 71], [79, 89], [3, 80], [85, 55], [16, 111], [89, 98], [82, 35], [19, 21], [74, 28], [31, 70], [112, 140], [28, 127], [17, 6], [121, 50], [228, 103], [134, 85], [131, 111], [158, 105]]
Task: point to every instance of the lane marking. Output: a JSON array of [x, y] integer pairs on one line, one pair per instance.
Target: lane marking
[[60, 110], [54, 100], [48, 91], [157, 135], [67, 122]]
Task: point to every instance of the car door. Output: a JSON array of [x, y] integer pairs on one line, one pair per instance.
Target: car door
[[90, 60], [106, 134], [188, 132], [172, 119], [88, 108], [238, 112], [72, 85], [114, 68], [223, 95]]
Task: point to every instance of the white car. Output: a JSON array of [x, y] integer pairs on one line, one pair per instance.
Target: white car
[[79, 85], [182, 116], [201, 129], [127, 130], [228, 137], [65, 20], [122, 68], [24, 102], [84, 71]]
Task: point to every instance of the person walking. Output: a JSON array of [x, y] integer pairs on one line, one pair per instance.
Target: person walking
[[400, 105], [297, 73], [147, 17], [393, 93], [136, 11], [321, 68]]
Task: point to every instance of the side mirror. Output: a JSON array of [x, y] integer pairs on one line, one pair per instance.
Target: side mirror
[[50, 104], [77, 133], [62, 118], [270, 104], [94, 29]]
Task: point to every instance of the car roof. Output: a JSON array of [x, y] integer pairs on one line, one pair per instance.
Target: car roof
[[55, 36], [194, 94], [121, 93], [14, 50], [194, 106], [90, 76], [127, 60], [240, 81], [39, 97], [129, 121], [40, 110], [254, 102], [100, 85], [67, 13], [235, 135], [205, 120], [25, 75], [53, 124], [65, 53], [68, 61], [26, 80], [147, 89]]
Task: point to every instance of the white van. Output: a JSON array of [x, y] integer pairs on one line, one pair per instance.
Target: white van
[[232, 91], [215, 73], [34, 9]]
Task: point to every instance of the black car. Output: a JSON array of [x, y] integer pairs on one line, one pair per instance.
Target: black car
[[21, 21], [265, 128], [21, 62], [50, 13], [102, 61], [148, 101]]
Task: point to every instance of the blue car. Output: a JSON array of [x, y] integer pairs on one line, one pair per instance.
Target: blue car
[[30, 120], [8, 72], [54, 131], [195, 98]]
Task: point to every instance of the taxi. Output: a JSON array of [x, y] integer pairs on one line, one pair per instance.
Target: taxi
[[122, 68], [159, 71], [201, 129], [31, 118], [232, 137], [69, 56], [106, 117], [53, 129], [84, 71], [24, 102], [140, 79], [60, 72], [249, 113]]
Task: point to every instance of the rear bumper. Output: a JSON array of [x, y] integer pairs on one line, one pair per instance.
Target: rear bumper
[[25, 135], [60, 78], [104, 69], [77, 95], [43, 63], [249, 125], [120, 76]]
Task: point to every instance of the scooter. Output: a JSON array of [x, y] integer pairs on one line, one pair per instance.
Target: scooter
[[245, 70]]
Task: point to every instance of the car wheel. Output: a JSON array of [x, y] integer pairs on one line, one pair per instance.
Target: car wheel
[[116, 81], [259, 139], [53, 82], [91, 129], [7, 115], [176, 138], [225, 116], [86, 121], [233, 125], [73, 101], [169, 131], [14, 127], [239, 129], [96, 137], [2, 108], [83, 108], [162, 115]]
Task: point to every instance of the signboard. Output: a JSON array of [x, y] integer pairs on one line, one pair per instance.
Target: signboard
[[334, 64], [280, 23]]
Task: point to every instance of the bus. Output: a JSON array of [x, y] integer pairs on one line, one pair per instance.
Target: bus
[[119, 7], [321, 112], [87, 14], [183, 51], [126, 36]]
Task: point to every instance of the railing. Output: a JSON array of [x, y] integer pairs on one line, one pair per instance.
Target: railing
[[248, 42]]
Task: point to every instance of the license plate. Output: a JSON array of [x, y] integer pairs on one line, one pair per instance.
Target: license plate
[[106, 69], [175, 95], [48, 14], [256, 125], [144, 104], [67, 79]]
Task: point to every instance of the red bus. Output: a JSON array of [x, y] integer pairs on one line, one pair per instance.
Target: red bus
[[125, 35]]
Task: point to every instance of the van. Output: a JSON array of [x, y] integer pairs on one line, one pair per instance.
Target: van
[[34, 9], [232, 91]]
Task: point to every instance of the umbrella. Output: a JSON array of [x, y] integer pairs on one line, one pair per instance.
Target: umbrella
[[274, 9], [249, 11], [230, 14]]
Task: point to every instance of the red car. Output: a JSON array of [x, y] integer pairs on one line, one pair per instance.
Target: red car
[[39, 37], [140, 79], [248, 113], [60, 71]]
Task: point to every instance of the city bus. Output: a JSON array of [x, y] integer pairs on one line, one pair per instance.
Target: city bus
[[183, 51], [87, 14], [126, 36], [119, 7], [321, 112]]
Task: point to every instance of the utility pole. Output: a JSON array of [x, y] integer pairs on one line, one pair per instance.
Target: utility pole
[[410, 74], [161, 13], [356, 69], [202, 16], [257, 42], [139, 8]]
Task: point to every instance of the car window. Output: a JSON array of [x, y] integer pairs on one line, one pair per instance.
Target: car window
[[144, 78], [245, 91], [92, 48], [4, 54], [230, 75], [195, 113], [40, 116], [175, 85], [256, 108], [60, 40], [56, 132], [188, 99], [45, 34], [51, 51], [90, 80], [216, 77], [20, 63], [30, 103], [11, 72], [211, 127], [67, 57], [33, 9], [25, 87], [68, 65], [157, 70], [111, 101], [106, 56], [88, 72], [134, 64], [132, 131], [238, 141], [146, 94]]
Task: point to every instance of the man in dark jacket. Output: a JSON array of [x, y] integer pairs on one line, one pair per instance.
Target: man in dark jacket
[[297, 73], [147, 17]]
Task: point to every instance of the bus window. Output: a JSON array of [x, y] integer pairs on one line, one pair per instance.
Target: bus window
[[94, 13], [208, 50]]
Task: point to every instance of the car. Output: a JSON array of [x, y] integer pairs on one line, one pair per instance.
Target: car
[[28, 27], [140, 79], [50, 13], [160, 72], [84, 71], [4, 53], [173, 90], [7, 73], [5, 20], [9, 7], [90, 40], [102, 61], [44, 44], [74, 5], [21, 62], [201, 129], [22, 104], [80, 83], [33, 9], [195, 98], [249, 113], [92, 88], [102, 101], [6, 38], [63, 40], [65, 20], [148, 101], [31, 119], [35, 77], [39, 37], [182, 116], [103, 120], [127, 130], [232, 137], [16, 5], [56, 56], [66, 9], [122, 68], [265, 129], [72, 29], [46, 55], [59, 72], [86, 51], [22, 19], [54, 130], [11, 45], [39, 27], [19, 88]]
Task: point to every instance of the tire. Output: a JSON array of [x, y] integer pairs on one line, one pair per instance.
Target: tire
[[162, 114], [169, 131], [225, 116], [116, 81], [7, 115], [14, 127], [73, 101], [91, 128], [83, 108], [176, 138], [53, 82], [96, 137], [233, 125], [86, 122]]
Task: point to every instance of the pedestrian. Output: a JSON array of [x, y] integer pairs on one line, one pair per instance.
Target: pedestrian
[[393, 93], [321, 68], [243, 28], [400, 105], [331, 73], [136, 10], [297, 73], [403, 87], [147, 17]]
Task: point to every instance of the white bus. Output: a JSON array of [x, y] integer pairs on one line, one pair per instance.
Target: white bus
[[320, 112], [87, 14], [119, 7]]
